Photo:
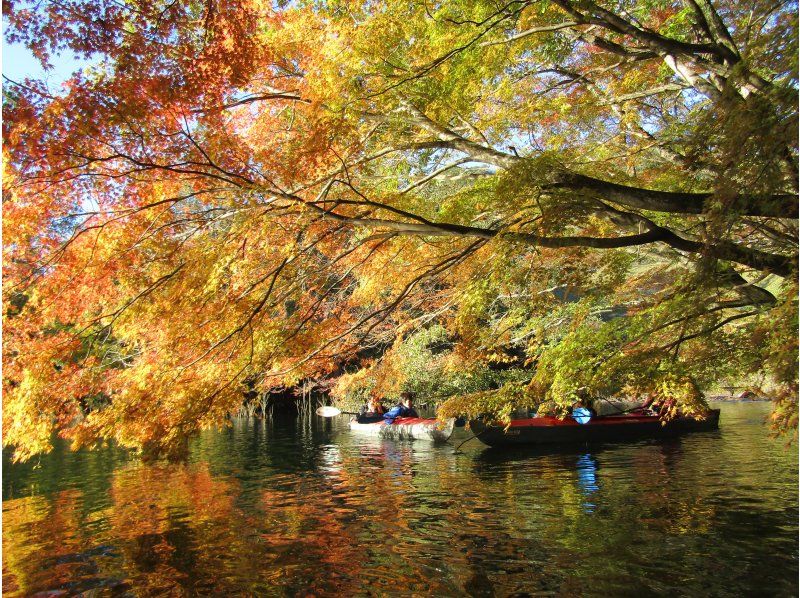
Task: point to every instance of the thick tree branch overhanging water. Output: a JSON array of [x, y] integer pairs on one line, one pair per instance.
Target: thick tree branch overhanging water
[[774, 263], [781, 205], [566, 196]]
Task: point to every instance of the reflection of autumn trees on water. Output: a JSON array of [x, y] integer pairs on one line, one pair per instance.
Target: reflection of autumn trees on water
[[174, 524], [337, 516], [377, 517], [35, 526], [165, 525], [179, 527]]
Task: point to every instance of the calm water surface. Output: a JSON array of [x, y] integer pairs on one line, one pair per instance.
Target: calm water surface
[[305, 508]]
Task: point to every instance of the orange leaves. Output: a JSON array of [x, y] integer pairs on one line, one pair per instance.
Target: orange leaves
[[237, 196]]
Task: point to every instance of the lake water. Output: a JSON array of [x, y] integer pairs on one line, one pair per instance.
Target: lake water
[[303, 507]]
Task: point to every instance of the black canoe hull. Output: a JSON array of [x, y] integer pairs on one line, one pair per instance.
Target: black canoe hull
[[551, 431]]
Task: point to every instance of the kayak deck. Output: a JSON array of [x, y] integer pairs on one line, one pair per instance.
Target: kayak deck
[[407, 428]]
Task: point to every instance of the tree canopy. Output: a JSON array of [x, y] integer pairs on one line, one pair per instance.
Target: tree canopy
[[521, 201]]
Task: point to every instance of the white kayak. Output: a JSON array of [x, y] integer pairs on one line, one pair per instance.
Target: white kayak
[[407, 428]]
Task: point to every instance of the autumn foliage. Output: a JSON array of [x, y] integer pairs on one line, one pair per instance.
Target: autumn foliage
[[234, 195]]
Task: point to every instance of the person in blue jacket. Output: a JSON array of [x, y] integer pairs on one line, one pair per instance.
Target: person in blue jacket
[[405, 408]]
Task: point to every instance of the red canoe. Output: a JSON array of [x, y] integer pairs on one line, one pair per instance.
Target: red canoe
[[609, 428]]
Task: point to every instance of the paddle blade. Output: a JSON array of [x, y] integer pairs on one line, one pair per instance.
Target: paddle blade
[[328, 411]]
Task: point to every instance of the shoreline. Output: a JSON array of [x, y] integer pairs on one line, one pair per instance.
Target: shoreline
[[735, 399]]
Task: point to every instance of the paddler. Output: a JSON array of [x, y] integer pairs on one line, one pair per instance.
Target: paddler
[[407, 401], [371, 412]]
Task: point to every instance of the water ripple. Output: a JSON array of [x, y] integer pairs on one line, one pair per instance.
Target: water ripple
[[277, 508]]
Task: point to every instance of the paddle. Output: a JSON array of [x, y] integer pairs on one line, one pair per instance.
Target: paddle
[[330, 411]]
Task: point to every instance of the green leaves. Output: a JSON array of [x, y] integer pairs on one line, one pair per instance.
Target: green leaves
[[451, 198]]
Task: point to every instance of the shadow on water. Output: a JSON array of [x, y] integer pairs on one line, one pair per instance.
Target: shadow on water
[[303, 506], [521, 452]]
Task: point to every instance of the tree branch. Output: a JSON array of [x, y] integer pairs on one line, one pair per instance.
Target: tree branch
[[778, 206]]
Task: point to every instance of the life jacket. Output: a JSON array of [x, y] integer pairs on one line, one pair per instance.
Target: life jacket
[[399, 411], [394, 412], [582, 415]]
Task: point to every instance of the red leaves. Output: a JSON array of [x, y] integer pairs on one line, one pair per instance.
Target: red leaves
[[220, 200]]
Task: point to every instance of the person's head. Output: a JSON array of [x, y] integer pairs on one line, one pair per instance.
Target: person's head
[[373, 402], [407, 399]]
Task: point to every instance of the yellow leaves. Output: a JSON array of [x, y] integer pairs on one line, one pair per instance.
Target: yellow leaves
[[495, 404], [27, 423], [161, 209], [353, 388], [538, 14], [557, 142], [219, 275]]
